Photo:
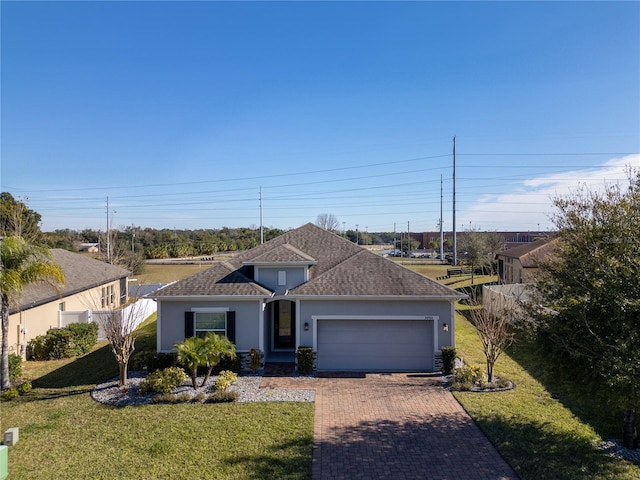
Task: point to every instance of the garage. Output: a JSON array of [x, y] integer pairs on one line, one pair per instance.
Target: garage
[[375, 345]]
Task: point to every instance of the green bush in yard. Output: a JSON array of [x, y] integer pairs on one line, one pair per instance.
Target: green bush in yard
[[71, 341], [24, 387], [466, 377], [9, 395], [305, 360], [225, 380], [162, 381], [15, 367], [448, 360], [153, 361], [85, 336], [223, 396]]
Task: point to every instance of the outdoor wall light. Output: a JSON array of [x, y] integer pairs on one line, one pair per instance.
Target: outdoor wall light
[[445, 327], [306, 326]]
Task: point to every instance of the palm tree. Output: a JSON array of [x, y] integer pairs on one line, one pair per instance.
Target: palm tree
[[21, 264], [215, 348], [190, 355], [207, 352]]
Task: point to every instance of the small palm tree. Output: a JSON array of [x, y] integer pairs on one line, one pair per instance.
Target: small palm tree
[[21, 264], [215, 348], [195, 352], [190, 354]]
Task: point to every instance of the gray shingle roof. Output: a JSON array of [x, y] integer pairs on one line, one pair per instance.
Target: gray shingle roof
[[80, 273], [282, 254], [342, 269], [222, 279]]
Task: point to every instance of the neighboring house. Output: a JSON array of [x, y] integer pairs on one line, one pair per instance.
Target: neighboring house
[[520, 264], [309, 287], [89, 284]]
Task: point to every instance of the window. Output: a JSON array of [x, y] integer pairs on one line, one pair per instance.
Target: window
[[107, 296], [206, 322], [282, 278], [61, 307]]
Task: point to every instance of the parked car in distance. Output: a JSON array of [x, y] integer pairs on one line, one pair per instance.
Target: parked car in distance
[[420, 254]]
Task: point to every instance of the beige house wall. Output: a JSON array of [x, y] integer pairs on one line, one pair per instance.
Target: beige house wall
[[27, 324]]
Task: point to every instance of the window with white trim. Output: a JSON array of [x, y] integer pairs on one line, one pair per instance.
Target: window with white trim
[[207, 322]]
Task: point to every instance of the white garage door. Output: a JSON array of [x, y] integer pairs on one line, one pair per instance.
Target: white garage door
[[375, 345]]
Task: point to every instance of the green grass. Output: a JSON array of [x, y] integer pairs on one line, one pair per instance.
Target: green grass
[[63, 430], [534, 431], [167, 273]]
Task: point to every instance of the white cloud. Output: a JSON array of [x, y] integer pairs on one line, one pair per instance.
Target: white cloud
[[527, 205]]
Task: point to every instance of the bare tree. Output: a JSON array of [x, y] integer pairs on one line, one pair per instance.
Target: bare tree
[[119, 326], [495, 329], [328, 221]]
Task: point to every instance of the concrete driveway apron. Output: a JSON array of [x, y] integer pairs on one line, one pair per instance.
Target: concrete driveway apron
[[399, 427]]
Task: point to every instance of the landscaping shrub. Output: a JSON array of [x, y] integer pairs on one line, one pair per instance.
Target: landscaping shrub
[[153, 361], [24, 387], [448, 360], [85, 336], [15, 367], [227, 363], [305, 360], [223, 397], [9, 395], [466, 377], [225, 380], [162, 381], [70, 341], [256, 359]]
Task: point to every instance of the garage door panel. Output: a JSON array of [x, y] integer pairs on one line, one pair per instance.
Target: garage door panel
[[392, 345]]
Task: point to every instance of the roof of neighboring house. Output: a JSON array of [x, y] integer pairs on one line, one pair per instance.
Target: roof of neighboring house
[[80, 273], [337, 267], [529, 254]]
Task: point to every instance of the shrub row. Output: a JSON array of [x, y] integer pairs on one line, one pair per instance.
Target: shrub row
[[159, 361], [70, 341]]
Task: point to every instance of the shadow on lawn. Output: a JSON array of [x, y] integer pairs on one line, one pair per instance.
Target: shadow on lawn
[[591, 406], [296, 465], [83, 372]]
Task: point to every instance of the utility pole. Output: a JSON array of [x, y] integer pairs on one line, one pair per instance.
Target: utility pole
[[357, 236], [261, 229], [395, 245], [108, 234], [441, 231], [408, 240], [455, 245]]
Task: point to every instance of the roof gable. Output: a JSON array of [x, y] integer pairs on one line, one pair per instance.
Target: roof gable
[[222, 279]]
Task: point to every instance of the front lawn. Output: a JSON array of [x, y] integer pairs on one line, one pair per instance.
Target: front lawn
[[535, 432], [65, 434]]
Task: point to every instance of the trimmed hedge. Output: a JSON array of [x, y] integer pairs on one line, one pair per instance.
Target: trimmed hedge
[[448, 360], [305, 360], [71, 341]]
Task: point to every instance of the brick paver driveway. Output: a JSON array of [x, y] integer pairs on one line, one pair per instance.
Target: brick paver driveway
[[395, 426]]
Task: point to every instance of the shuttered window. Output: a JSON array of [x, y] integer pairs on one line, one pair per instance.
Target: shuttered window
[[199, 324]]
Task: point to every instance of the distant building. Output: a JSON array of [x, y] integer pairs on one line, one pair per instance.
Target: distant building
[[520, 264]]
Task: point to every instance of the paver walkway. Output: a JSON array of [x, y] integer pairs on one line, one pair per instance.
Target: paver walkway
[[395, 426]]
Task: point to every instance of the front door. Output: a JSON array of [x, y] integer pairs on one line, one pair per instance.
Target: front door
[[284, 325]]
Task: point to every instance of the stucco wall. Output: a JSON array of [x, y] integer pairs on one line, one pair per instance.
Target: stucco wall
[[171, 321], [269, 277]]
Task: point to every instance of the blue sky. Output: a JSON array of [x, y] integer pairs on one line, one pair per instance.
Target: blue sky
[[182, 112]]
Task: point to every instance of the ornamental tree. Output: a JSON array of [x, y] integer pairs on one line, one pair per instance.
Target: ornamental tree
[[590, 286]]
